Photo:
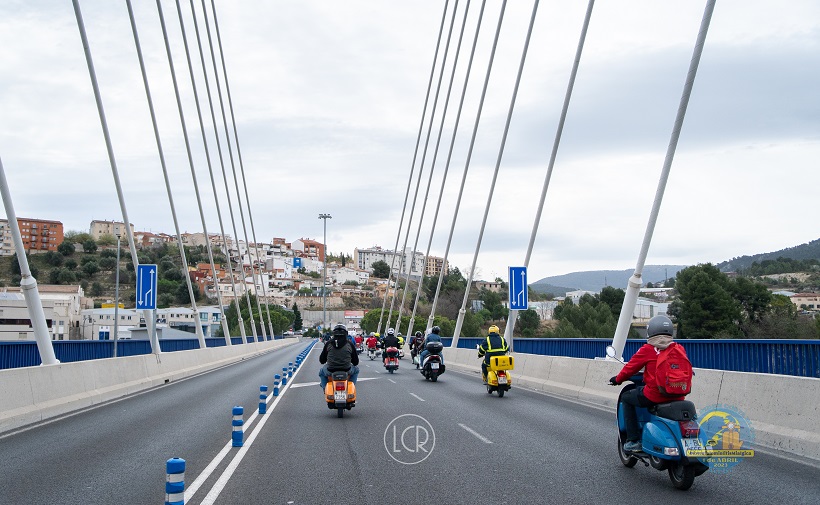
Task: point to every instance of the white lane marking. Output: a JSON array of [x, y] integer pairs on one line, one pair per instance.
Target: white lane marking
[[217, 488], [391, 380], [478, 435], [417, 397]]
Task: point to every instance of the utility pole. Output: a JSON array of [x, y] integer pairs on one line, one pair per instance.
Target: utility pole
[[117, 293], [324, 218]]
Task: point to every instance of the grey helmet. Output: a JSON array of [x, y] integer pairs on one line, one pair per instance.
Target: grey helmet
[[435, 330], [391, 331], [660, 325]]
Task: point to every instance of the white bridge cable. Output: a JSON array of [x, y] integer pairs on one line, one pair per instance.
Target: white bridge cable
[[227, 187], [160, 151], [508, 331], [238, 150], [446, 169], [634, 283], [410, 178], [421, 171], [241, 212], [433, 166], [461, 312], [147, 314]]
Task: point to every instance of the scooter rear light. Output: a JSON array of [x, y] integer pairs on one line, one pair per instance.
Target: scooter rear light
[[689, 429], [340, 386], [501, 373]]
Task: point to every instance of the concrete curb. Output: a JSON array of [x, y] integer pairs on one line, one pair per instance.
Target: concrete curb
[[783, 410], [33, 394]]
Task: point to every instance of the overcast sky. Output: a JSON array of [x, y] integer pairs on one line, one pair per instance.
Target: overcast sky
[[328, 97]]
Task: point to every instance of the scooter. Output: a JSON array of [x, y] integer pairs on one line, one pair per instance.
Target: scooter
[[391, 359], [669, 433], [498, 377], [340, 393], [433, 365], [371, 353]]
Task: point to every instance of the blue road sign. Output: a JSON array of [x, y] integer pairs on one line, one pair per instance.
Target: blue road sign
[[297, 262], [146, 287], [518, 292]]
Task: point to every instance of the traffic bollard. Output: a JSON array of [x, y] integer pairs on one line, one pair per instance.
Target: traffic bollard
[[276, 384], [175, 481], [237, 423], [284, 375], [263, 399]]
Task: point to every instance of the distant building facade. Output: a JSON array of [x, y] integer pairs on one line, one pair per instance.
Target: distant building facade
[[39, 235], [100, 228]]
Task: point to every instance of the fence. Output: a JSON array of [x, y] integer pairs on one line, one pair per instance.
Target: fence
[[785, 357], [21, 354]]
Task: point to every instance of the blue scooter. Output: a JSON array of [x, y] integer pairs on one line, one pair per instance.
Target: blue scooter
[[669, 433]]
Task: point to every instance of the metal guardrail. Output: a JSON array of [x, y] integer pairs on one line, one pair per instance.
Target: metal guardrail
[[786, 357], [16, 354]]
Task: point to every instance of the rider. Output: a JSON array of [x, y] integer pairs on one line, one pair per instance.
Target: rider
[[494, 345], [372, 341], [389, 340], [338, 355], [401, 340], [433, 336], [659, 332]]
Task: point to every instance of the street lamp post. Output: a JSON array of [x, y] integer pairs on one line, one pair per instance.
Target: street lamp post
[[324, 217], [117, 294]]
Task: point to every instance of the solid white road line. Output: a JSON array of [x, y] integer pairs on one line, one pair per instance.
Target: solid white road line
[[477, 435], [419, 398]]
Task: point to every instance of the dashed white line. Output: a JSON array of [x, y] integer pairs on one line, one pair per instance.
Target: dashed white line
[[391, 380], [477, 435], [419, 398]]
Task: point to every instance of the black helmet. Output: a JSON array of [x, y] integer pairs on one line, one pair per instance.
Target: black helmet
[[660, 325], [418, 334], [435, 330], [340, 331]]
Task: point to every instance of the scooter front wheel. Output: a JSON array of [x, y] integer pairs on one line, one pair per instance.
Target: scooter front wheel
[[628, 460], [682, 476]]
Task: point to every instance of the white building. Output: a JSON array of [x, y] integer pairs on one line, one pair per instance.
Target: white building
[[98, 324], [364, 259], [100, 228], [340, 275], [67, 303], [6, 240], [15, 322]]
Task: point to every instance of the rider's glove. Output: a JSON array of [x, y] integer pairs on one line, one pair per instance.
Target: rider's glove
[[613, 380]]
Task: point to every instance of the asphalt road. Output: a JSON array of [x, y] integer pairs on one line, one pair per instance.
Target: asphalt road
[[466, 447]]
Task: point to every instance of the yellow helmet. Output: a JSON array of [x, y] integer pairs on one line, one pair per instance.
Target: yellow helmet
[[377, 335], [494, 329]]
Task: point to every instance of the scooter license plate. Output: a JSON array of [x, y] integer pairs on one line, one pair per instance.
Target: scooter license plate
[[692, 444], [434, 366], [340, 396], [502, 380]]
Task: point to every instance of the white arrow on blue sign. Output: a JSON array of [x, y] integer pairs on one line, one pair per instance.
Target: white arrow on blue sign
[[146, 287], [518, 292]]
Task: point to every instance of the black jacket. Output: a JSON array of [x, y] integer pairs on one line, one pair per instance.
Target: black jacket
[[390, 341], [339, 358]]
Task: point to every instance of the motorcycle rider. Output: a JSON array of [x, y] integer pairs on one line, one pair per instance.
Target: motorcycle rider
[[433, 336], [415, 343], [338, 355], [659, 332], [494, 345], [389, 340], [372, 342]]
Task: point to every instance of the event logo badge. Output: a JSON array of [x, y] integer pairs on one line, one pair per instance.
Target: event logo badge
[[727, 438], [409, 439]]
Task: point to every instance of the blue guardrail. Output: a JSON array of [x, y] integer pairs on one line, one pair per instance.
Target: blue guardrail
[[785, 357]]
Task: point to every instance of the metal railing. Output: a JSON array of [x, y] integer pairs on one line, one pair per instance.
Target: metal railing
[[786, 357]]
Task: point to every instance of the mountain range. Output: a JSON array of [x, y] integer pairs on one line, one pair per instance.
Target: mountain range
[[595, 280]]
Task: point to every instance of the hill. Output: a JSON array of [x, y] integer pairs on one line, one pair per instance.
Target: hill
[[595, 280], [808, 251]]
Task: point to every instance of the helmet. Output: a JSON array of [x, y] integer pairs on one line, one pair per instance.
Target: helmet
[[391, 331], [340, 331], [398, 334], [494, 329], [418, 334], [660, 325], [377, 335], [435, 330], [372, 334]]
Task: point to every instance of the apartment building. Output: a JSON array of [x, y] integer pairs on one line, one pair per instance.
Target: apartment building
[[40, 235], [100, 228], [6, 241], [364, 259], [309, 248], [434, 266]]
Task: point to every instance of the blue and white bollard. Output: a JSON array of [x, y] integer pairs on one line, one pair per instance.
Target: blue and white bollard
[[290, 369], [175, 481], [276, 384], [284, 375], [238, 433], [263, 399]]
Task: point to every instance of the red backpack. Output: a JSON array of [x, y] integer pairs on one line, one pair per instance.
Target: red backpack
[[674, 371]]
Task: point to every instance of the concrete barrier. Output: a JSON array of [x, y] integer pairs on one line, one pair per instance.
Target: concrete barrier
[[783, 410], [32, 394]]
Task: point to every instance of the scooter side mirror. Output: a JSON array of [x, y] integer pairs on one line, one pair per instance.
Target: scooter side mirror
[[610, 351]]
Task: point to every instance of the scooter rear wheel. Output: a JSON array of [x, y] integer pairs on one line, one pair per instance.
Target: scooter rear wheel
[[682, 476], [340, 412], [501, 393], [434, 377], [627, 460]]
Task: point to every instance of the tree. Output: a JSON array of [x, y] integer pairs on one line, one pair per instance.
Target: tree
[[66, 248], [53, 258], [614, 297], [297, 317], [91, 268], [528, 322], [705, 307], [380, 269], [89, 246], [492, 302], [107, 240], [96, 289]]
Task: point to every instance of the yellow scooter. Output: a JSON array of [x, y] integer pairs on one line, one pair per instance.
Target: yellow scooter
[[498, 376]]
